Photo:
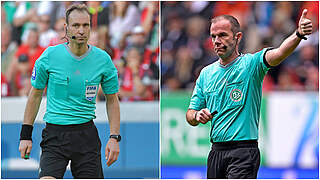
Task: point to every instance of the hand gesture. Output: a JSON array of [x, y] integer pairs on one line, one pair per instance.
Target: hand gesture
[[112, 151], [203, 116], [305, 25], [25, 148]]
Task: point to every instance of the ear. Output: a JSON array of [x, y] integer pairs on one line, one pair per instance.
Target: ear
[[65, 26], [239, 36]]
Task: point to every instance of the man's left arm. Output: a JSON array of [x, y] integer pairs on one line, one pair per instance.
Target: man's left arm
[[275, 56], [113, 111]]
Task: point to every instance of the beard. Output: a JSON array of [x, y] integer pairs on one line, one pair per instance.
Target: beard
[[229, 51]]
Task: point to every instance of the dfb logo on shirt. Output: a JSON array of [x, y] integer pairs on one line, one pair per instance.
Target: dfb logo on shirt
[[236, 95], [91, 92], [34, 73]]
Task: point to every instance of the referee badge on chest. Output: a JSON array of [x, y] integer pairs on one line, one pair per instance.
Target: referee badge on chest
[[91, 91], [236, 95]]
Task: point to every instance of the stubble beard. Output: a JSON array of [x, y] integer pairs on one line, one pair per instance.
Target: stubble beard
[[228, 53]]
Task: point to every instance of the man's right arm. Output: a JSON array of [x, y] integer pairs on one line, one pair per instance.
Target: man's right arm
[[190, 116], [194, 117], [30, 114], [32, 106]]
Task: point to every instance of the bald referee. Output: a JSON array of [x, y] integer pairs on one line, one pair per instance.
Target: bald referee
[[72, 72], [228, 93]]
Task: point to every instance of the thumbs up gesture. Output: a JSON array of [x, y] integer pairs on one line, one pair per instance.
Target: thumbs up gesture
[[305, 25]]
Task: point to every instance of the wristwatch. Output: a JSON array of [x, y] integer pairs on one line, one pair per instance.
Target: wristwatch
[[117, 137], [300, 36]]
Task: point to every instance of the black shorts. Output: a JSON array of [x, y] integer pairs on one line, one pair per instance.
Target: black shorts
[[234, 160], [79, 144]]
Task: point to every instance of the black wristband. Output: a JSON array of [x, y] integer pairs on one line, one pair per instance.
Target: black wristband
[[195, 115], [26, 132], [300, 36]]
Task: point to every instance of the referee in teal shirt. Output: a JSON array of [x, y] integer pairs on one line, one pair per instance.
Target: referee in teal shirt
[[72, 73], [228, 93]]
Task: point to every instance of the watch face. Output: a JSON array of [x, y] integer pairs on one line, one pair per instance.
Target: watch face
[[117, 137]]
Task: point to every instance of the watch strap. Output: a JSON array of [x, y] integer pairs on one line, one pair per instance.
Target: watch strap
[[117, 137], [300, 36]]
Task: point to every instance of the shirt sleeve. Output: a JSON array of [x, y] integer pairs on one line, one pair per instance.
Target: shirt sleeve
[[197, 101], [260, 68], [39, 77], [110, 82]]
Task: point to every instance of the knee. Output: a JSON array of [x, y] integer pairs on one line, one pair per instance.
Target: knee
[[47, 177]]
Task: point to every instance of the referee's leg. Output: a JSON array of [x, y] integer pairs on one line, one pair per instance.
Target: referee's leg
[[52, 167], [215, 165], [86, 158], [244, 163], [53, 162]]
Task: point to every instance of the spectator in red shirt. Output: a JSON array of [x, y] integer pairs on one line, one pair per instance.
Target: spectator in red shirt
[[26, 55], [135, 80], [31, 48]]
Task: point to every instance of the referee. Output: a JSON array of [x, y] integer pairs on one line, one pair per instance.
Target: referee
[[72, 72], [228, 93]]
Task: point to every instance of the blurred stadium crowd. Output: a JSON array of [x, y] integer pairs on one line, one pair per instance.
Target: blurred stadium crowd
[[186, 45], [128, 31]]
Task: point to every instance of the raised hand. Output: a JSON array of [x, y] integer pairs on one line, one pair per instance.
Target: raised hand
[[305, 24]]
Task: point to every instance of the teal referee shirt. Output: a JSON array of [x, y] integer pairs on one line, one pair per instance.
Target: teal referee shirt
[[73, 82], [234, 91]]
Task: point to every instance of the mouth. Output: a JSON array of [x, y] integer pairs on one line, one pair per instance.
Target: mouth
[[220, 50], [81, 37]]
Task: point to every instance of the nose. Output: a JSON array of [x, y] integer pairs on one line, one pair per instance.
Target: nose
[[81, 30], [217, 40]]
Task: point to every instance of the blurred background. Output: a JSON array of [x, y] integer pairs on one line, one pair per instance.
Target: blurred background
[[129, 32], [289, 123]]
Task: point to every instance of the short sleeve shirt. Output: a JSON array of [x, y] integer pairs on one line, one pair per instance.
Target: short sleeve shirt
[[234, 91], [73, 82]]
